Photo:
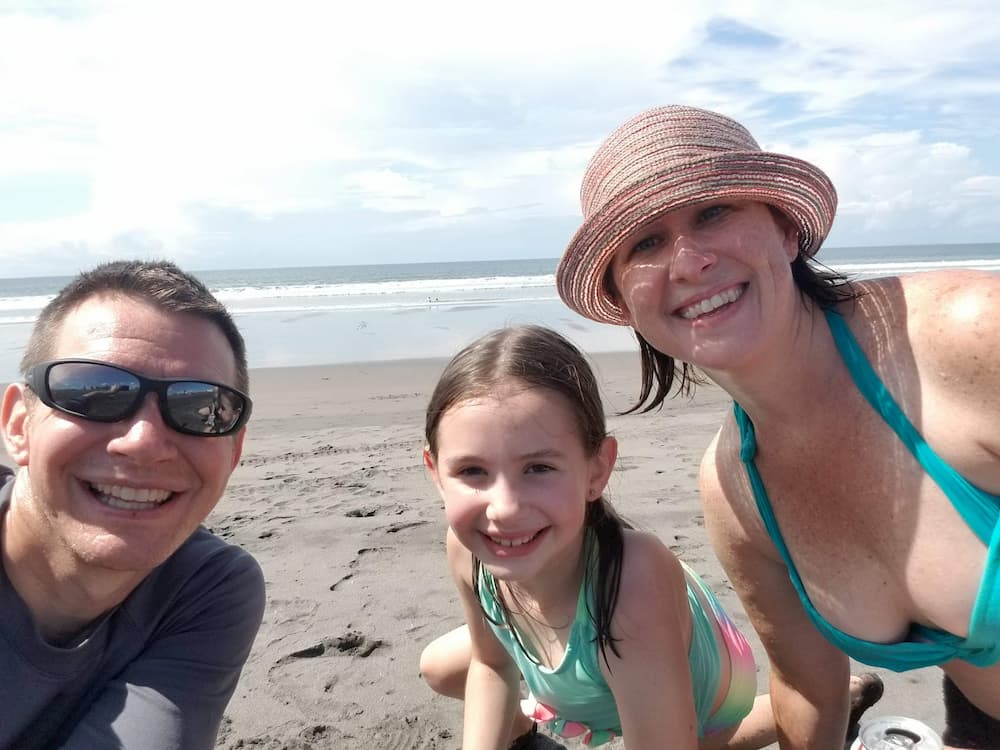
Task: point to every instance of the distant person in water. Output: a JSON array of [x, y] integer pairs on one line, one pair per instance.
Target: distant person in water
[[853, 493], [125, 622], [613, 635]]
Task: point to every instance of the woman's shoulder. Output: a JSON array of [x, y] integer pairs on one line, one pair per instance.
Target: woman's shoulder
[[945, 319], [933, 298]]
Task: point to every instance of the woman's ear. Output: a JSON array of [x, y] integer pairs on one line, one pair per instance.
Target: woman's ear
[[611, 289], [789, 232], [601, 466]]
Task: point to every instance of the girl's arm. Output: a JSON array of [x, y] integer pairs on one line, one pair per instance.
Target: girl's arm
[[491, 688], [650, 678]]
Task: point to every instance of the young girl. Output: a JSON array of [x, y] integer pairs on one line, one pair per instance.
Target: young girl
[[613, 635]]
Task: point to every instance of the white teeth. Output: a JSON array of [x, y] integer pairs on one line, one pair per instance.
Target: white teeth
[[130, 498], [512, 542], [712, 303]]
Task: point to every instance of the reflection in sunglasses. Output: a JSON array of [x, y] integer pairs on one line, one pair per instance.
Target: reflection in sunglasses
[[108, 393]]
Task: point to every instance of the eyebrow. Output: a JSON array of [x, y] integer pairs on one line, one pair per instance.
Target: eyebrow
[[532, 456], [549, 453]]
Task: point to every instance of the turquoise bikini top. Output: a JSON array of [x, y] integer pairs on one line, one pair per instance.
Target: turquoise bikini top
[[924, 646]]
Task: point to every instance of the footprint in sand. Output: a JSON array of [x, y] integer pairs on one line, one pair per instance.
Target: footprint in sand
[[351, 643]]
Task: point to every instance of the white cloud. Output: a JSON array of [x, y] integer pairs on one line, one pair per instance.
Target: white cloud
[[981, 185], [447, 113]]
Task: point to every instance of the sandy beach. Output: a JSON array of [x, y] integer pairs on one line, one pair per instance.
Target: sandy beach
[[332, 499]]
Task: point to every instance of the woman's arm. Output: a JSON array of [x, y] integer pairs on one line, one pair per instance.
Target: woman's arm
[[809, 676], [650, 678], [491, 688]]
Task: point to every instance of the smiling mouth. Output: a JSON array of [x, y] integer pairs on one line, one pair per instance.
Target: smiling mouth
[[518, 542], [129, 498], [713, 303]]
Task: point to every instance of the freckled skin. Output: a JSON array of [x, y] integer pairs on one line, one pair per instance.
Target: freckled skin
[[877, 544], [691, 254]]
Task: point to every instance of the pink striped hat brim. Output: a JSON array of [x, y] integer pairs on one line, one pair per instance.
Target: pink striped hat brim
[[799, 189]]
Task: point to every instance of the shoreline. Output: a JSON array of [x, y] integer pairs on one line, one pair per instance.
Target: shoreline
[[297, 332]]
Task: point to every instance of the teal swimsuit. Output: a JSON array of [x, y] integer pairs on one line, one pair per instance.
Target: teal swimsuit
[[924, 646], [574, 698]]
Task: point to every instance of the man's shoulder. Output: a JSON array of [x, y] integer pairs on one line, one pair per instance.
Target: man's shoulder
[[204, 547], [207, 556], [206, 574], [6, 485]]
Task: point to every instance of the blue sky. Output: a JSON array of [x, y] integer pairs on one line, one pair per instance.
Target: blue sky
[[255, 134]]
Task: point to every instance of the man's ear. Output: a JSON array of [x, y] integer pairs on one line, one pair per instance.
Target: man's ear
[[238, 452], [14, 421]]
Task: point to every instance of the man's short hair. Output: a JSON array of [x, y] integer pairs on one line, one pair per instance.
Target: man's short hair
[[159, 283]]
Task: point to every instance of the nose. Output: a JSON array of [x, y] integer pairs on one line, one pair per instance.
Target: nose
[[503, 501], [146, 437], [690, 259]]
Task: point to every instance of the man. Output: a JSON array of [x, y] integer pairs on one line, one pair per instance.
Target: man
[[125, 623]]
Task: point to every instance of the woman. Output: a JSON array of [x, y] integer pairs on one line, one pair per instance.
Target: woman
[[852, 494]]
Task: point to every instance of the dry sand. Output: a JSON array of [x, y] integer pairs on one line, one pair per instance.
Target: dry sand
[[332, 499]]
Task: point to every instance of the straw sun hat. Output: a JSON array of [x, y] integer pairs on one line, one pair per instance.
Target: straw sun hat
[[667, 158]]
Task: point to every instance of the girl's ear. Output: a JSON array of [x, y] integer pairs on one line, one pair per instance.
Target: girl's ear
[[601, 466], [431, 467]]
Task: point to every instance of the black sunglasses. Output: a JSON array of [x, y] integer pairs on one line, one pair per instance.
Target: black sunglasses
[[107, 393]]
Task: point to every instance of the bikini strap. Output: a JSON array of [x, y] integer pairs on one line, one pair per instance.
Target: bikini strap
[[979, 509], [748, 451]]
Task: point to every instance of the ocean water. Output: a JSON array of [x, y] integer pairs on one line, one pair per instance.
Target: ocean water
[[331, 314]]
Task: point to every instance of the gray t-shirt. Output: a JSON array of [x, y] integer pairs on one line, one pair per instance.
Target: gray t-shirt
[[155, 673]]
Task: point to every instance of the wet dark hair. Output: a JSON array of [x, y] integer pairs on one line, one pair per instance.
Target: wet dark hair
[[538, 357], [158, 283], [817, 285]]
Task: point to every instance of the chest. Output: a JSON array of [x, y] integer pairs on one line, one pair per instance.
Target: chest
[[571, 687], [545, 641], [877, 543], [65, 682]]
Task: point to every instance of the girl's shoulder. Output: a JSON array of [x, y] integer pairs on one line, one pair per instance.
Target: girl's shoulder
[[652, 576], [459, 559], [645, 547]]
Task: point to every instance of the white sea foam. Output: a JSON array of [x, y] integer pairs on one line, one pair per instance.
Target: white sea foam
[[421, 287], [896, 268], [292, 292], [393, 305], [34, 302]]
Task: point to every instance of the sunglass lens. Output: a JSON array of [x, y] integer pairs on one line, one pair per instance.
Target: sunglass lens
[[203, 408], [94, 391]]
